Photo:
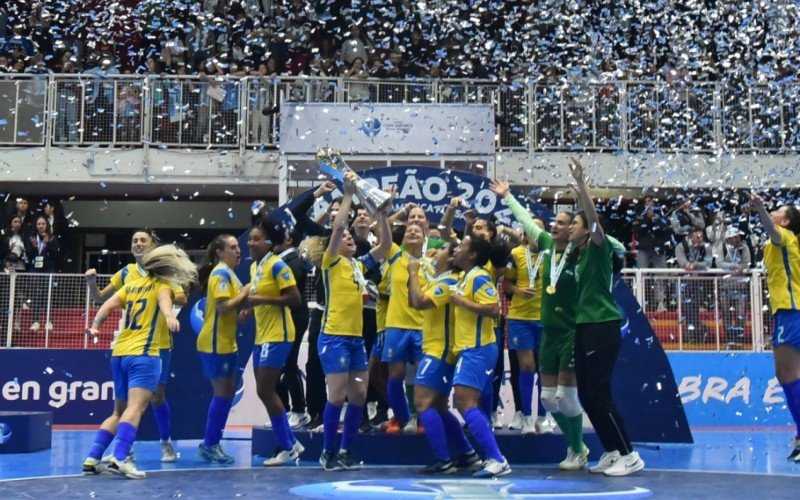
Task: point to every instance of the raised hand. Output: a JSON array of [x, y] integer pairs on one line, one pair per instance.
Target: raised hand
[[576, 169], [500, 188], [325, 188], [349, 184]]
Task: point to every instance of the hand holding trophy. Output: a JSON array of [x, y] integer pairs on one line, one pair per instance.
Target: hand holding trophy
[[372, 198]]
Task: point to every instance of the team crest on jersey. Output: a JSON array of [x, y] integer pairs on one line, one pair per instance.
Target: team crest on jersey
[[438, 292], [223, 287], [490, 292], [286, 275]]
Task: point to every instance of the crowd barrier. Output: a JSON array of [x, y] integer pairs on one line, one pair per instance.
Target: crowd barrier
[[230, 112]]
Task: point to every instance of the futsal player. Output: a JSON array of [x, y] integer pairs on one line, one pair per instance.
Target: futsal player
[[597, 334], [782, 264], [216, 342], [341, 346], [476, 305], [142, 242], [434, 379], [273, 291], [135, 361]]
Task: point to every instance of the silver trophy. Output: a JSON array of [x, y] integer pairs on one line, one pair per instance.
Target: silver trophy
[[372, 198]]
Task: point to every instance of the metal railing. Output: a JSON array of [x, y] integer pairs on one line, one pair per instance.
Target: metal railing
[[226, 112], [708, 311]]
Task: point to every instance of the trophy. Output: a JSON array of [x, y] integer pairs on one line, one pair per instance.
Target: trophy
[[372, 198]]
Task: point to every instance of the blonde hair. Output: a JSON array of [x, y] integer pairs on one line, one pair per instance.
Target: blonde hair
[[171, 264], [313, 248]]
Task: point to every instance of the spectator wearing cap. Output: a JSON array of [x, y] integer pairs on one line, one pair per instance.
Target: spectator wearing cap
[[735, 254]]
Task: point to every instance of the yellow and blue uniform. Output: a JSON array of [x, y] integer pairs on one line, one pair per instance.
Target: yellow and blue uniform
[[403, 339], [782, 263], [438, 334], [274, 325], [340, 344], [216, 342], [523, 322], [380, 312], [475, 342], [133, 272], [135, 360]]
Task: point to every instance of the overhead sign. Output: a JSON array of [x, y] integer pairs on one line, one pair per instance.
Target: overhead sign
[[384, 128]]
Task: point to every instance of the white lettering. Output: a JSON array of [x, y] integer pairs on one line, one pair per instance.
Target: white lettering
[[740, 390], [485, 201], [58, 394], [410, 188], [430, 183], [91, 391], [11, 391], [714, 389], [689, 389], [774, 393], [467, 190], [388, 180]]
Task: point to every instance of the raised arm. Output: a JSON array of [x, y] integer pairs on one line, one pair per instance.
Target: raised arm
[[766, 219], [596, 232], [340, 221], [95, 293], [503, 190], [446, 224], [384, 237], [115, 302]]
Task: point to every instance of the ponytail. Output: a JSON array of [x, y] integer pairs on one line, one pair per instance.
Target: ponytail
[[211, 259]]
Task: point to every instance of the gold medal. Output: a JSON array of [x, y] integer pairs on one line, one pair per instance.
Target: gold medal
[[551, 289]]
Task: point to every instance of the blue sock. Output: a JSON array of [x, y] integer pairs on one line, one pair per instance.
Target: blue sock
[[163, 417], [279, 428], [435, 433], [480, 429], [397, 401], [526, 392], [352, 421], [487, 402], [218, 412], [289, 433], [126, 435], [330, 425], [101, 442], [455, 433], [792, 392]]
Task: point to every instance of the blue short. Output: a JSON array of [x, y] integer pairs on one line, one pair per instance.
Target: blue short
[[341, 353], [787, 329], [475, 367], [524, 335], [436, 374], [166, 358], [271, 354], [402, 346], [219, 365], [140, 372], [377, 346]]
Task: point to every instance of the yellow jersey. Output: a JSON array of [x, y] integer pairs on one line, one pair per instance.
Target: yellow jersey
[[134, 272], [399, 313], [782, 263], [438, 329], [522, 264], [140, 299], [269, 277], [382, 303], [344, 293], [473, 330], [218, 335]]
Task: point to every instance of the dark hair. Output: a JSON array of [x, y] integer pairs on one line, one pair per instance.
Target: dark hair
[[48, 230], [149, 231], [490, 225], [211, 259], [398, 233], [451, 250], [8, 226], [499, 254], [793, 214], [273, 229], [482, 249]]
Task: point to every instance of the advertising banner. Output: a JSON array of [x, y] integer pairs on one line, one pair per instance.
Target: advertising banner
[[384, 128]]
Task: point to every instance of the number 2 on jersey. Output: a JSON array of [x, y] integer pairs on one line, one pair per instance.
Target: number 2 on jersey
[[132, 316]]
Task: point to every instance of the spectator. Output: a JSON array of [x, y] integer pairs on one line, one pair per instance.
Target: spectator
[[693, 254], [683, 220], [357, 91], [14, 244], [653, 243], [354, 46], [26, 217], [44, 257], [715, 234], [735, 290], [735, 255]]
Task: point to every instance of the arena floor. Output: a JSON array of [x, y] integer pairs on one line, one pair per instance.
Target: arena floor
[[729, 463]]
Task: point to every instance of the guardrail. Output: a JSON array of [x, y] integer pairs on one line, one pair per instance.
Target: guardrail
[[708, 311], [227, 112]]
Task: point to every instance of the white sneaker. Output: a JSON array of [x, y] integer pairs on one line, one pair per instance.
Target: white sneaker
[[125, 469], [281, 457], [168, 454], [411, 426], [528, 425], [496, 424], [268, 424], [575, 461], [35, 326], [130, 458], [626, 465], [493, 468], [545, 425], [516, 422], [298, 420], [607, 459]]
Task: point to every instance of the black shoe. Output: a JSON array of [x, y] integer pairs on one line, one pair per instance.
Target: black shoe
[[329, 461], [795, 454], [315, 422], [440, 467], [366, 427], [469, 461], [347, 462], [380, 417]]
